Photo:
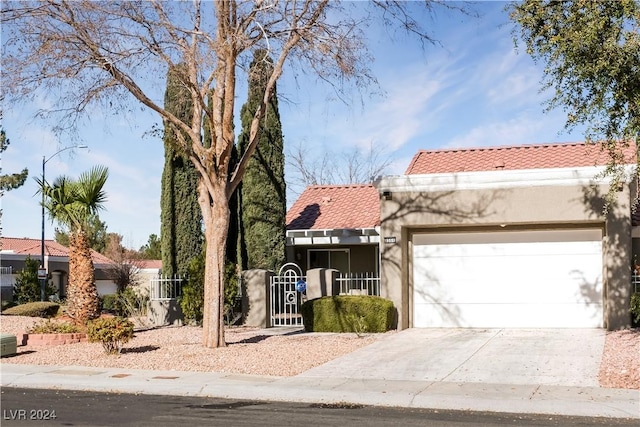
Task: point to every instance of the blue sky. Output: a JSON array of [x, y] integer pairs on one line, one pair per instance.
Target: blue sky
[[472, 90]]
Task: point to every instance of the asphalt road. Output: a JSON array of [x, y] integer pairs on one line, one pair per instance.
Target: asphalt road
[[22, 407]]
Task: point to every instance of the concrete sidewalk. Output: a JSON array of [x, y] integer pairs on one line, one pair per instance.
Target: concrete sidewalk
[[511, 398]]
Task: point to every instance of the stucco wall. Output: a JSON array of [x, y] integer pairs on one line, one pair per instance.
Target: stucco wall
[[548, 207]]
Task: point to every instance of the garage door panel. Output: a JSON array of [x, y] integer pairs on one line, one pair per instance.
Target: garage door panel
[[477, 280], [504, 281], [509, 315], [516, 250]]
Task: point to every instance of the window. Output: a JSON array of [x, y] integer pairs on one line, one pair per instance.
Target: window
[[329, 258]]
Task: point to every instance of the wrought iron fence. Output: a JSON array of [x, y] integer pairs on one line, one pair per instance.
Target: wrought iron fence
[[359, 284], [287, 296], [166, 288]]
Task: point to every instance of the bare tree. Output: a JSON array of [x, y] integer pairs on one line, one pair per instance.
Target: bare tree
[[105, 53], [351, 166]]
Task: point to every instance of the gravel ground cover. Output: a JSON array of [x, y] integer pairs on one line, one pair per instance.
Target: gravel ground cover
[[249, 350], [264, 352]]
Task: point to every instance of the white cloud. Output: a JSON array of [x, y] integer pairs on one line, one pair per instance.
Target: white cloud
[[513, 131]]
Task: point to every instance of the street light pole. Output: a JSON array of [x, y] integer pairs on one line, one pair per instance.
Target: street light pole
[[43, 280]]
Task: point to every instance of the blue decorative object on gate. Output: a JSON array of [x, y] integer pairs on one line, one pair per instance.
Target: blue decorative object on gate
[[301, 286]]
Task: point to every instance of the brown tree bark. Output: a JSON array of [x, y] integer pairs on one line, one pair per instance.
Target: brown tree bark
[[215, 209], [82, 295]]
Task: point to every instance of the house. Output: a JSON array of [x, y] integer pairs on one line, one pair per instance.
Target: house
[[14, 251], [512, 236], [147, 271], [336, 227]]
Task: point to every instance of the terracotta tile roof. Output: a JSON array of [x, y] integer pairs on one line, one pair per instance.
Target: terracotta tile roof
[[149, 263], [32, 247], [335, 207], [514, 157]]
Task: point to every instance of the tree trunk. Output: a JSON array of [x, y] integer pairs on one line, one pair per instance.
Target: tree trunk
[[82, 294], [216, 223]]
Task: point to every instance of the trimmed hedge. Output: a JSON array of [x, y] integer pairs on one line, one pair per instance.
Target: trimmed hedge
[[34, 309], [348, 313]]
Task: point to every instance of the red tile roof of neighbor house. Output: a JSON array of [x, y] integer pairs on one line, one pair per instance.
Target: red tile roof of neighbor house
[[32, 247], [149, 263], [514, 157], [335, 207]]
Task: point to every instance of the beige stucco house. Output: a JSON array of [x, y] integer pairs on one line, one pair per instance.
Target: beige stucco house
[[335, 227], [14, 252], [513, 236]]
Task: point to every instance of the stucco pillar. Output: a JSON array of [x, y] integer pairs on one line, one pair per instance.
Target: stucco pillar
[[393, 263], [256, 297], [322, 282], [618, 260]]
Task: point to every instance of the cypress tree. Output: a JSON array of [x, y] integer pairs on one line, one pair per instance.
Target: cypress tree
[[181, 219], [263, 202]]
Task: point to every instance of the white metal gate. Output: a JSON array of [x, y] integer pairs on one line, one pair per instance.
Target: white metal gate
[[287, 295]]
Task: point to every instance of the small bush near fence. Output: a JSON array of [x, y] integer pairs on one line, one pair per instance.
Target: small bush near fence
[[192, 298], [109, 302], [34, 309], [112, 332], [27, 287], [348, 313]]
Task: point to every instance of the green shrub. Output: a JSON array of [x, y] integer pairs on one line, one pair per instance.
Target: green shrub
[[231, 293], [192, 299], [34, 309], [109, 302], [27, 287], [348, 313], [49, 327], [130, 303], [112, 332], [635, 306]]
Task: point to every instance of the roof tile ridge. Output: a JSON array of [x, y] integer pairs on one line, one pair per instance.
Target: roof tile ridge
[[354, 185], [502, 147]]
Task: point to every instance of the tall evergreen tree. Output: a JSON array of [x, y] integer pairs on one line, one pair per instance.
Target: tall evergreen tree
[[181, 218], [14, 180], [263, 201]]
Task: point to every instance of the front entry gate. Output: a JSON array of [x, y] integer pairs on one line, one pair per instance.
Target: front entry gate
[[287, 295]]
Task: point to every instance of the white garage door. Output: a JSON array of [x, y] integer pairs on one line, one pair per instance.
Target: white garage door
[[513, 279]]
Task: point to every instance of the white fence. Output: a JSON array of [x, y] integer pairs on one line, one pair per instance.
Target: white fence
[[359, 284], [635, 281], [165, 288], [286, 297], [7, 279]]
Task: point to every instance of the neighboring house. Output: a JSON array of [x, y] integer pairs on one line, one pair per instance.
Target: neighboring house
[[14, 251], [148, 269], [512, 236], [337, 227]]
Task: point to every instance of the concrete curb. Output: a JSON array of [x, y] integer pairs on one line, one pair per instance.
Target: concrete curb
[[507, 398]]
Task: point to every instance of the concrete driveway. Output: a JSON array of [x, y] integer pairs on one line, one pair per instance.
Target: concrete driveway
[[569, 357]]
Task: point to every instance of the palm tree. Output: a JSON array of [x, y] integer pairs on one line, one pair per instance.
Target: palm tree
[[72, 203]]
